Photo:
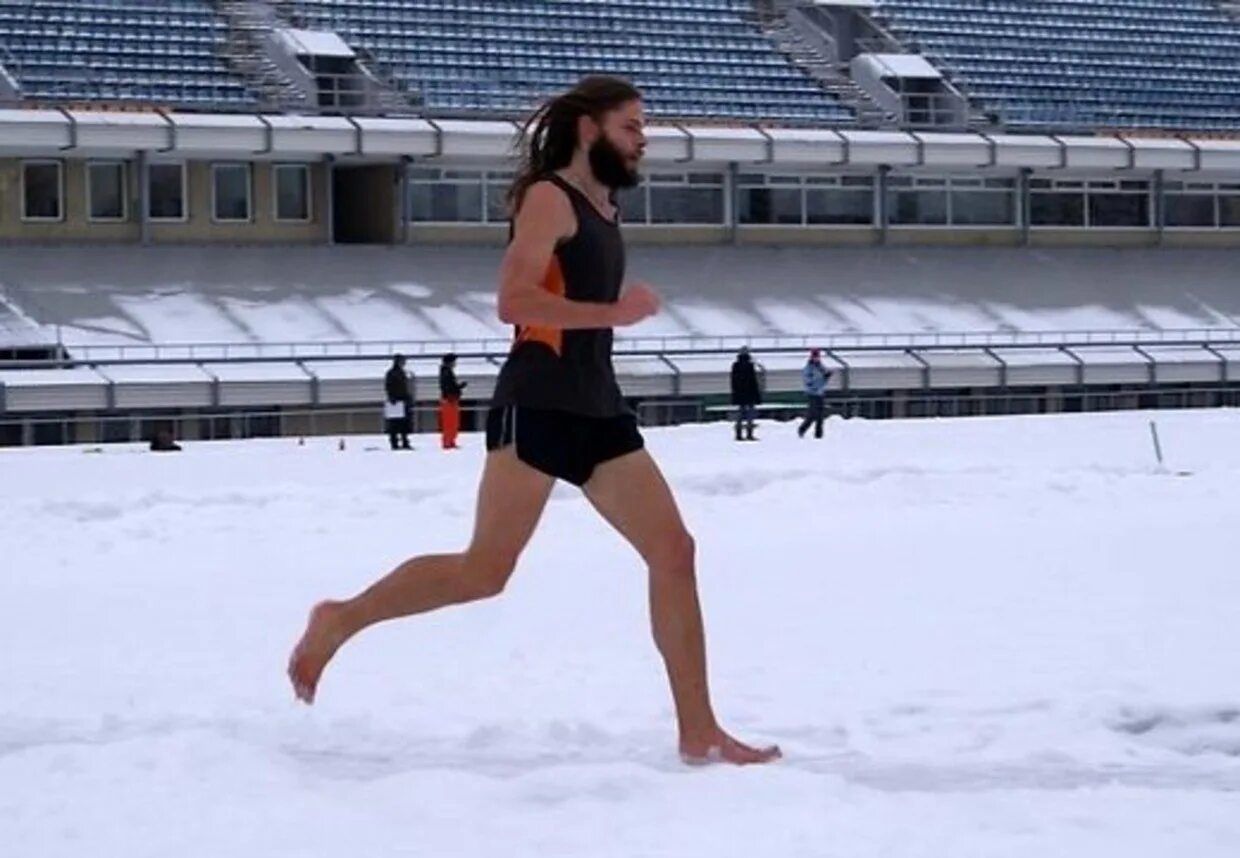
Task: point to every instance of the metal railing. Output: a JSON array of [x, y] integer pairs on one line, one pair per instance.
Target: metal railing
[[240, 423], [653, 346], [229, 424]]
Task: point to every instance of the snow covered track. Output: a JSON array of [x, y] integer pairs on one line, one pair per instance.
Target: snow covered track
[[987, 637]]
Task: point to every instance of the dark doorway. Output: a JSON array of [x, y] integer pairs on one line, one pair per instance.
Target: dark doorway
[[364, 204]]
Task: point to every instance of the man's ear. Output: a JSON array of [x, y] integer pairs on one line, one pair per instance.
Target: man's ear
[[587, 130]]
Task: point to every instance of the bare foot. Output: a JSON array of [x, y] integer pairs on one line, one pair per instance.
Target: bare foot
[[323, 636], [724, 749]]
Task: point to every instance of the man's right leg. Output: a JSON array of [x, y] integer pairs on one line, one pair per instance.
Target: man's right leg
[[454, 423], [511, 499]]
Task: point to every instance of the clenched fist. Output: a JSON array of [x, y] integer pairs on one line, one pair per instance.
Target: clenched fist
[[637, 302]]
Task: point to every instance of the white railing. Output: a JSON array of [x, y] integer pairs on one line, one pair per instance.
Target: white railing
[[653, 345]]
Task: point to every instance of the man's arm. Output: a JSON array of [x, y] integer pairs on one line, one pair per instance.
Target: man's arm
[[545, 218]]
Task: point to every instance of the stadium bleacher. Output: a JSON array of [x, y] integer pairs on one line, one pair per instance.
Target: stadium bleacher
[[1083, 63], [696, 59], [120, 51]]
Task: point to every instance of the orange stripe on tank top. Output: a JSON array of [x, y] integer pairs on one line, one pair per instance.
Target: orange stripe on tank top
[[553, 282]]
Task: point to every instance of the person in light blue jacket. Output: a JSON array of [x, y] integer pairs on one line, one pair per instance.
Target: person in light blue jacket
[[814, 378]]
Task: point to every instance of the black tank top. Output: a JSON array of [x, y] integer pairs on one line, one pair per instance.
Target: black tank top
[[571, 370]]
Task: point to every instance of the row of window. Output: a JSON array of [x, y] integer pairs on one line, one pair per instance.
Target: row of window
[[108, 197], [471, 196]]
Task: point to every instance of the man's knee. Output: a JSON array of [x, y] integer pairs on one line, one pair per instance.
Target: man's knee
[[486, 574], [675, 555]]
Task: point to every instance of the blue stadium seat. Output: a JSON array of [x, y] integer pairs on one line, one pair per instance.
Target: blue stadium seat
[[120, 51], [1083, 63], [694, 59]]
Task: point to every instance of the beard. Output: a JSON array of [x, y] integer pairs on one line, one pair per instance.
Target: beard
[[609, 167]]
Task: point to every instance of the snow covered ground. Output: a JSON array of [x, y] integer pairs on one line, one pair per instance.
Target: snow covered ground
[[989, 637]]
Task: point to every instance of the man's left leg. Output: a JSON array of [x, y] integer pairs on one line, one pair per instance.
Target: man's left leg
[[632, 495]]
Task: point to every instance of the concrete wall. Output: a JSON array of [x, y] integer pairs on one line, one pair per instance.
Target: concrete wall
[[1100, 237], [75, 226], [675, 235], [827, 236], [263, 228], [953, 237], [1201, 238], [493, 236]]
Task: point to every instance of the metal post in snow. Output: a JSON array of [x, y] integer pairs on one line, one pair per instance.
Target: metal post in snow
[[1157, 444]]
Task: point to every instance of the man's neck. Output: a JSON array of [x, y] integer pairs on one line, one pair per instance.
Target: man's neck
[[578, 172]]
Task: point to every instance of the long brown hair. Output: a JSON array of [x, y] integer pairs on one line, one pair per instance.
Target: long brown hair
[[549, 137]]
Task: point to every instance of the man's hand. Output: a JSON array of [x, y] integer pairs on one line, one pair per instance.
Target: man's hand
[[637, 302]]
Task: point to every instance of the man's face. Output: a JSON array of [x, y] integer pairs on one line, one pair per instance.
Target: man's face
[[616, 145]]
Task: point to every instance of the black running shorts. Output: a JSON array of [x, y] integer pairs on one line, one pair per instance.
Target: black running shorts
[[561, 444]]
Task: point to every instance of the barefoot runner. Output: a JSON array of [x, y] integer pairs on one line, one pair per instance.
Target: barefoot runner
[[558, 413]]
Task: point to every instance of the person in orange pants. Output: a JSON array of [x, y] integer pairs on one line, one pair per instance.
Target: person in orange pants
[[449, 402]]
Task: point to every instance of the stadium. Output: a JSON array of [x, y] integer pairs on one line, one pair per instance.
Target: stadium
[[974, 209], [998, 633]]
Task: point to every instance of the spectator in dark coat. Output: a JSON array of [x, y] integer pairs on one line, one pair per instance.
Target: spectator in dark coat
[[399, 409], [746, 394], [162, 442], [449, 402]]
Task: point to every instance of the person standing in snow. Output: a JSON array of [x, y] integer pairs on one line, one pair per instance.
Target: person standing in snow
[[746, 394], [814, 379], [399, 404], [449, 402], [558, 413]]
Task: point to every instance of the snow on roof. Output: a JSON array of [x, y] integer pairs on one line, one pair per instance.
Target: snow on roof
[[877, 360], [1034, 357], [49, 377], [276, 371], [154, 373], [1108, 354]]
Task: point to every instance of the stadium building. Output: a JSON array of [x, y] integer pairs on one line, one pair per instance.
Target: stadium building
[[227, 216]]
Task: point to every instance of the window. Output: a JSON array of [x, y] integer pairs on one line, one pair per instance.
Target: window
[[481, 196], [983, 202], [42, 190], [692, 198], [1055, 206], [1229, 210], [106, 195], [916, 200], [292, 183], [840, 200], [166, 195], [1121, 203], [230, 192], [1095, 203], [772, 206], [954, 200], [1184, 207], [634, 205], [497, 185], [770, 199], [1202, 204], [446, 196]]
